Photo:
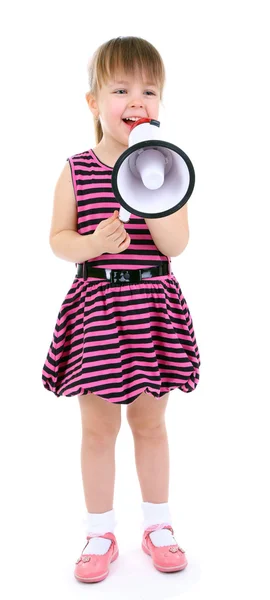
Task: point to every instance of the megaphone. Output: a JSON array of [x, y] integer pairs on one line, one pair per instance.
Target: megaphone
[[152, 178]]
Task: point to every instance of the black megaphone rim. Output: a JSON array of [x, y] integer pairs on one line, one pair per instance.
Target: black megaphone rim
[[144, 144]]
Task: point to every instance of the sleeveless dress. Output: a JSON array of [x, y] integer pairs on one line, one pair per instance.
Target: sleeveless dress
[[118, 341]]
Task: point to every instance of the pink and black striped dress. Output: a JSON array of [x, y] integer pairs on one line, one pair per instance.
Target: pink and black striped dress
[[119, 341]]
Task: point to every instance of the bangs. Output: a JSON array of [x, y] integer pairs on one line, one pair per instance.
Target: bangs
[[131, 56]]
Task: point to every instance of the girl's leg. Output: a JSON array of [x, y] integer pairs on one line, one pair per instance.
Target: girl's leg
[[146, 418], [101, 421]]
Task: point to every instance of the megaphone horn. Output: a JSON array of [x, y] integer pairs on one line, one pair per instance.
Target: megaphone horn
[[152, 178]]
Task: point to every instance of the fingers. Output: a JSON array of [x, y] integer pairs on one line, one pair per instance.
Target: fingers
[[126, 241]]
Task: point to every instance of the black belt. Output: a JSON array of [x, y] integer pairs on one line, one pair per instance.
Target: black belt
[[121, 275]]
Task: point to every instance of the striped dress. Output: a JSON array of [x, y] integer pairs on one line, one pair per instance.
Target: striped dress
[[118, 341]]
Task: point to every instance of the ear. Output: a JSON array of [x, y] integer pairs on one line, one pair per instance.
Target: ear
[[92, 103]]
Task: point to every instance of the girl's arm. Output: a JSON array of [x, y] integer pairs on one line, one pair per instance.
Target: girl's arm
[[72, 246], [171, 233], [65, 241]]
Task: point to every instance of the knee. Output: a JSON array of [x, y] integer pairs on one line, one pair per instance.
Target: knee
[[100, 420], [144, 428], [101, 433]]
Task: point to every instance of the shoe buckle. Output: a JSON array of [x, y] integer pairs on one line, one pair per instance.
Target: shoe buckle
[[86, 559], [176, 548]]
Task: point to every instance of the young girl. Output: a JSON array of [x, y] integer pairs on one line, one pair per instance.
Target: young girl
[[124, 333]]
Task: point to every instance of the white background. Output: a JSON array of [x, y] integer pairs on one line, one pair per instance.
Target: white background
[[216, 108]]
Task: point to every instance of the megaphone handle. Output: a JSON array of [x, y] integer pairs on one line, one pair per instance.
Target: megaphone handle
[[123, 215]]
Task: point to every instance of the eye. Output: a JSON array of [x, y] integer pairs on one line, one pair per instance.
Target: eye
[[147, 92]]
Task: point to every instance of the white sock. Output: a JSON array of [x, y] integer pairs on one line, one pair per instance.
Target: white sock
[[99, 523], [154, 514]]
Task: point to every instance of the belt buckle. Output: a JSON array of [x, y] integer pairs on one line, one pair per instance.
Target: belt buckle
[[122, 276]]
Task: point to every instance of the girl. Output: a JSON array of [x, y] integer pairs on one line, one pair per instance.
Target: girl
[[124, 333]]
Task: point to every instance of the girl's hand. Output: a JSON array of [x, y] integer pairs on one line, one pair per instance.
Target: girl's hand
[[111, 235]]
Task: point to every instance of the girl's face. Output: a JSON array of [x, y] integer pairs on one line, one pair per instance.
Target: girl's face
[[121, 97]]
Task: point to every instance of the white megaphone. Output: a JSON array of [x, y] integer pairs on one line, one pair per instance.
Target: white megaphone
[[152, 178]]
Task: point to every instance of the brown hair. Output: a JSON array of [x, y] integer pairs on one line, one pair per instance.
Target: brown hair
[[128, 54]]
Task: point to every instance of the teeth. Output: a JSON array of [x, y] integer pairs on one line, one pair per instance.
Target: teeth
[[133, 118]]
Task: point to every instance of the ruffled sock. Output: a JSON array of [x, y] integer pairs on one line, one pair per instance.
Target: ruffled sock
[[99, 523], [154, 514]]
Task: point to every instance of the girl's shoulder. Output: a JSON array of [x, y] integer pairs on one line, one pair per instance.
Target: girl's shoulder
[[84, 154]]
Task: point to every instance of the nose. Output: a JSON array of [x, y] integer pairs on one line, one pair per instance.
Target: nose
[[136, 104]]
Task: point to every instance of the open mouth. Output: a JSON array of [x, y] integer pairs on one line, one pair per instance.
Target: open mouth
[[128, 123], [132, 122]]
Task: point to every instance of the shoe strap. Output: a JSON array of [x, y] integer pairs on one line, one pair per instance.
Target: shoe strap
[[152, 528], [109, 535], [157, 527]]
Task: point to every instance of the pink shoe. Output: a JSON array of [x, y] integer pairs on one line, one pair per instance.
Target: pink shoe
[[165, 558], [95, 567]]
